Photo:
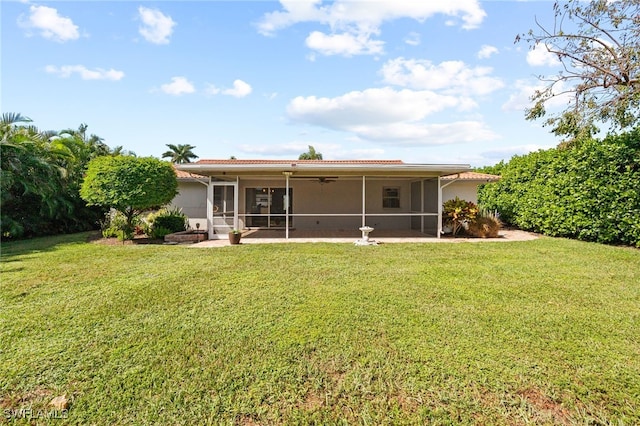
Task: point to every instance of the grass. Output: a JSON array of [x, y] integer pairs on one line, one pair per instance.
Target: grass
[[538, 332]]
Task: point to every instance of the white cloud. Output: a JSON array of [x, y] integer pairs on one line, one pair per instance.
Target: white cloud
[[389, 115], [412, 39], [345, 44], [240, 90], [429, 134], [156, 27], [486, 51], [369, 106], [451, 77], [178, 86], [354, 22], [50, 24], [66, 71], [539, 56], [520, 99]]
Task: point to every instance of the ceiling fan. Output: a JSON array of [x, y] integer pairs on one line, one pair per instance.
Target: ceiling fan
[[325, 179], [320, 179]]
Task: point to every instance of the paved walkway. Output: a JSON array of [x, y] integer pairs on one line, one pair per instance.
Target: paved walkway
[[382, 237]]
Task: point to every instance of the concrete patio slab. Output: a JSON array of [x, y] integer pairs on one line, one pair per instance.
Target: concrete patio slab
[[349, 237]]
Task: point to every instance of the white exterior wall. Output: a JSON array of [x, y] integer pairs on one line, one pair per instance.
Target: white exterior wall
[[465, 190], [192, 199]]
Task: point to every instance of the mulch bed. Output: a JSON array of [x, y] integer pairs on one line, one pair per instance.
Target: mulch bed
[[96, 238]]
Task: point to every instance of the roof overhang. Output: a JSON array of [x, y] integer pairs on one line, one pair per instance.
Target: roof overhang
[[315, 168]]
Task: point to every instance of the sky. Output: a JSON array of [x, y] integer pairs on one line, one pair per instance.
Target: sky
[[418, 81]]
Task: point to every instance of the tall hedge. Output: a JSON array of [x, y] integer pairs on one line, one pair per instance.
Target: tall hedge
[[590, 191]]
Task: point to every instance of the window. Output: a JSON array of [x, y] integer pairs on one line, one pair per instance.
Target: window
[[391, 197]]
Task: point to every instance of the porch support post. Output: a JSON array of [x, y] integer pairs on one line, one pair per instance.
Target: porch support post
[[236, 203], [364, 201], [422, 205], [439, 208], [210, 209], [286, 207]]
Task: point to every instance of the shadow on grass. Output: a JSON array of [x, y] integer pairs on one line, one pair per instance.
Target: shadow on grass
[[10, 249]]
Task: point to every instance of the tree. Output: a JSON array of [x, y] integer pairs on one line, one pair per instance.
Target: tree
[[180, 154], [129, 185], [598, 47], [33, 183], [310, 155]]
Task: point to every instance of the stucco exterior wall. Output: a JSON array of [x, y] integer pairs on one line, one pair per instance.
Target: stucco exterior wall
[[465, 190], [192, 199]]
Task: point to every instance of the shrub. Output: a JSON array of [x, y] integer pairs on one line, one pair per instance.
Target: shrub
[[458, 213], [589, 191], [486, 225], [165, 222], [116, 225]]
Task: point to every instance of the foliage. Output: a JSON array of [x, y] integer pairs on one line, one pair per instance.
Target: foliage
[[165, 222], [521, 333], [129, 184], [180, 154], [597, 45], [589, 192], [312, 154], [484, 226], [40, 178], [116, 225], [458, 213]]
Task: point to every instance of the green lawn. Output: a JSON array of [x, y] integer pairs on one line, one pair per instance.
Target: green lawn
[[537, 332]]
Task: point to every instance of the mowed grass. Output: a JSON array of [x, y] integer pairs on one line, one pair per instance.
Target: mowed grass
[[537, 332]]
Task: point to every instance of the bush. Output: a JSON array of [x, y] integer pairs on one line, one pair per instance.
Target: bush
[[458, 213], [485, 226], [588, 192], [165, 222], [115, 225]]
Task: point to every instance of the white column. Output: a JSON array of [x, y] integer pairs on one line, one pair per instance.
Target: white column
[[210, 209], [422, 205], [236, 203], [286, 206], [439, 208], [364, 201]]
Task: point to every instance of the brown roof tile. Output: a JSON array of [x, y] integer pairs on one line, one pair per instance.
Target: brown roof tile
[[289, 162], [472, 176], [187, 175]]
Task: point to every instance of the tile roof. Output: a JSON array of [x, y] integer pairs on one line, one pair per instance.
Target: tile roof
[[241, 162], [187, 175], [472, 176]]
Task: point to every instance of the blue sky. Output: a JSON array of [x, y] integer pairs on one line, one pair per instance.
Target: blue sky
[[419, 81]]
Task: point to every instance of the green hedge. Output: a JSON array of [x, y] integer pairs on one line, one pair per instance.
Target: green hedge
[[590, 192]]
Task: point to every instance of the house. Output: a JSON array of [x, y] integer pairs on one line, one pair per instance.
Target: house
[[219, 195]]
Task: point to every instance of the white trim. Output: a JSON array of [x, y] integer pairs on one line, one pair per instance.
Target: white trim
[[364, 201], [439, 227]]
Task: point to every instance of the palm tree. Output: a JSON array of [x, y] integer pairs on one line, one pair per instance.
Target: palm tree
[[311, 155], [180, 153]]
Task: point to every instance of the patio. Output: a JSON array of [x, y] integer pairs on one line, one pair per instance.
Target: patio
[[267, 236]]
